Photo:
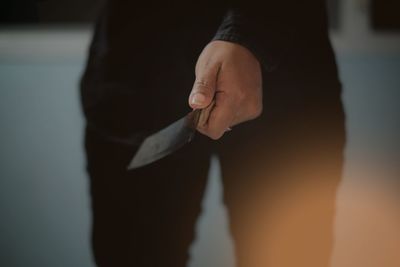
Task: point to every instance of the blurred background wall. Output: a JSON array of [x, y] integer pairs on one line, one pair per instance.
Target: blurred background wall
[[44, 204]]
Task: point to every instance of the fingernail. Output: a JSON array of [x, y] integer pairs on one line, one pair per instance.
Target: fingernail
[[198, 99]]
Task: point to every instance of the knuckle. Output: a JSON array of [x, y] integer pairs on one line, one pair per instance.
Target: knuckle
[[255, 111], [211, 133], [203, 86], [202, 81], [215, 136]]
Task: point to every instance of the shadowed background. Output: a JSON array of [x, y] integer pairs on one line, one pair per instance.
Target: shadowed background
[[44, 204]]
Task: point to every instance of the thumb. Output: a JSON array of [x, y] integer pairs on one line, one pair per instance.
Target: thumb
[[204, 87]]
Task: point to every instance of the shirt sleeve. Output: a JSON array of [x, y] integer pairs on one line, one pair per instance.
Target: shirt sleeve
[[266, 30]]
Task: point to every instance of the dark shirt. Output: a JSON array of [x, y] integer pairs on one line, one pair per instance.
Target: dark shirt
[[142, 57]]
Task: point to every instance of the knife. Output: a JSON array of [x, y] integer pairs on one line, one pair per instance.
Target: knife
[[170, 139]]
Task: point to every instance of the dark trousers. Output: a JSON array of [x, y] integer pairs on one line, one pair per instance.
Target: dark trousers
[[144, 217], [280, 178], [280, 175]]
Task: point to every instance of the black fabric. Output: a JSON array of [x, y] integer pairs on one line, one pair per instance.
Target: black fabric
[[144, 217], [18, 12], [139, 74], [141, 49]]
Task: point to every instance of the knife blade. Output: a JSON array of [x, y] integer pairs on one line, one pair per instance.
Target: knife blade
[[169, 139]]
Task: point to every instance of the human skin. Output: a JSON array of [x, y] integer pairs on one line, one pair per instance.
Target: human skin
[[229, 74]]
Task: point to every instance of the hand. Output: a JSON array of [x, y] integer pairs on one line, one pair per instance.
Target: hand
[[229, 74]]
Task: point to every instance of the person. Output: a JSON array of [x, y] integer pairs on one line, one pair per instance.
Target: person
[[271, 70]]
